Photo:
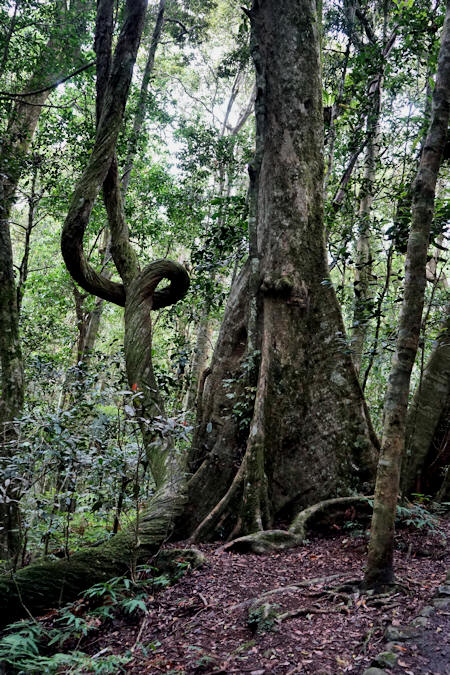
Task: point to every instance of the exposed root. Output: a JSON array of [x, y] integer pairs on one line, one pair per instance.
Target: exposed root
[[304, 611], [263, 542], [263, 616], [292, 588], [210, 521], [280, 540], [321, 511]]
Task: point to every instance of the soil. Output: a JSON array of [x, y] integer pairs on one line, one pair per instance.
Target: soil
[[201, 624]]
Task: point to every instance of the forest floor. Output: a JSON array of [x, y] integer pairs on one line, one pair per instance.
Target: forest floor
[[201, 624]]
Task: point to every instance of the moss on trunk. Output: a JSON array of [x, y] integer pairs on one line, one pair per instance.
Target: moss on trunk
[[48, 583], [426, 415]]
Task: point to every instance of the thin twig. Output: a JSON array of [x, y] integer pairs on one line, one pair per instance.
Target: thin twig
[[139, 635]]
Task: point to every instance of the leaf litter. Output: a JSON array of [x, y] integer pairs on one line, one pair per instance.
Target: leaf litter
[[306, 616]]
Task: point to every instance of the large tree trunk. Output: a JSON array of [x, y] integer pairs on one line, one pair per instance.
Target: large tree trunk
[[298, 431], [380, 562]]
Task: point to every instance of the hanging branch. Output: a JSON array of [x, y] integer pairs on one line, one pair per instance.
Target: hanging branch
[[49, 87]]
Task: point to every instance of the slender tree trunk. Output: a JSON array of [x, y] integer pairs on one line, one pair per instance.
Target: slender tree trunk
[[7, 38], [374, 97], [363, 286], [363, 255], [331, 137], [139, 116], [12, 395], [380, 561], [15, 145], [378, 313], [33, 202], [202, 352]]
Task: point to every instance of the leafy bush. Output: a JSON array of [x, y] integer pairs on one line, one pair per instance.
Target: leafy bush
[[27, 646]]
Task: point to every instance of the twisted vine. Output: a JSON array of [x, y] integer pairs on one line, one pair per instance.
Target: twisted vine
[[137, 291]]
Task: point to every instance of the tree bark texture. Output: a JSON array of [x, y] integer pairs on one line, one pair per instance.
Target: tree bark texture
[[103, 40], [300, 433], [380, 561], [12, 394], [139, 115], [47, 583], [137, 292]]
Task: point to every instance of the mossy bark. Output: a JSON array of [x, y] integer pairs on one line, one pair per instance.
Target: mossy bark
[[301, 433], [48, 583], [319, 516], [304, 434], [12, 395], [380, 561], [137, 292]]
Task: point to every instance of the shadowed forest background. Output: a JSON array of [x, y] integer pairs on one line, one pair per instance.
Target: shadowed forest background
[[206, 209]]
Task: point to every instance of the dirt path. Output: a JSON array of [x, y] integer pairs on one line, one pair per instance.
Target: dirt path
[[201, 625]]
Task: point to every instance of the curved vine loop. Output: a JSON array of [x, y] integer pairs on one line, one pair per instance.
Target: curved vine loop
[[154, 273], [102, 171], [99, 163]]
